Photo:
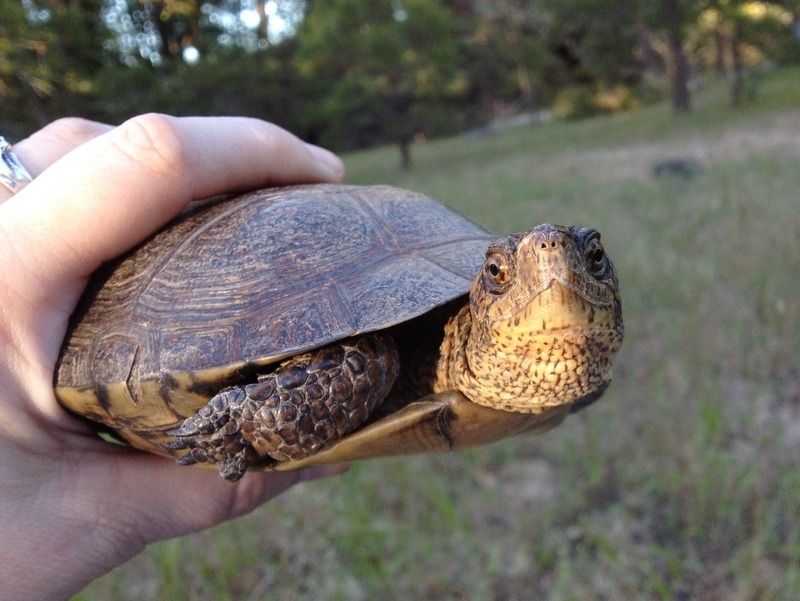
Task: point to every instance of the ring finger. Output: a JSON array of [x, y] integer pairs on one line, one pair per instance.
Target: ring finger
[[43, 148]]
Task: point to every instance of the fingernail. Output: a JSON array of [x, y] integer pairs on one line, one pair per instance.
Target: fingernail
[[329, 161]]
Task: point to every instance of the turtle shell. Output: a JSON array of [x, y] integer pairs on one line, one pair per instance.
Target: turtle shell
[[232, 286]]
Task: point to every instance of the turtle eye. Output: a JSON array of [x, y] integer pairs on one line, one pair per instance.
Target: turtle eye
[[497, 272], [596, 259]]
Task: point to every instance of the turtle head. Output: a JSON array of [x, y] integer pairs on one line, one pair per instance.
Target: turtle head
[[546, 320]]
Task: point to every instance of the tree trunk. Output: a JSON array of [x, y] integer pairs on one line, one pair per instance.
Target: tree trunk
[[405, 152], [719, 51], [679, 76], [737, 66], [263, 20]]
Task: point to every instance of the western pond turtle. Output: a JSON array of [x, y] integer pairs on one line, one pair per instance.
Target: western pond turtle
[[293, 326]]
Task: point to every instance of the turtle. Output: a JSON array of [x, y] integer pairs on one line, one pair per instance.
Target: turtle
[[296, 326]]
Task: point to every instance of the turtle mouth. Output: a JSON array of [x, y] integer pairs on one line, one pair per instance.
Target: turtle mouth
[[554, 308]]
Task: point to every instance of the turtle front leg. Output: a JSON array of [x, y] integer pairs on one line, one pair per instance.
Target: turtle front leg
[[307, 403]]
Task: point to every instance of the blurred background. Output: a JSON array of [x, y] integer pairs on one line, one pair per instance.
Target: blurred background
[[673, 127], [352, 74]]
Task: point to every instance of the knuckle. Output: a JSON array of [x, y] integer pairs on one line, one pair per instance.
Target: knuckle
[[153, 142]]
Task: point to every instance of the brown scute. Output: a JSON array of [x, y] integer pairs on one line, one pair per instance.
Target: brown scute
[[232, 286]]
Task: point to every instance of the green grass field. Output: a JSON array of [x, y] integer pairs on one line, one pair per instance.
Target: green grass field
[[682, 483]]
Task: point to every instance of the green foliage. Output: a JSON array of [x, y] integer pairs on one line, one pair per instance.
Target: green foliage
[[596, 41], [242, 83], [355, 73], [740, 34], [381, 63], [581, 101], [48, 57], [503, 49]]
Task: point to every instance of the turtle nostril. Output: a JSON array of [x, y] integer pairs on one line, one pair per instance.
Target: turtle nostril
[[549, 239]]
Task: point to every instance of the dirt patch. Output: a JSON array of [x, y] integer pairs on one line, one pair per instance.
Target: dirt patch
[[781, 135]]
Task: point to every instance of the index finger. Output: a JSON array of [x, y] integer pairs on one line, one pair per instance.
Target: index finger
[[108, 194]]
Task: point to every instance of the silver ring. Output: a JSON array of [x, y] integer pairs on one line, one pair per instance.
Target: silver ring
[[12, 174]]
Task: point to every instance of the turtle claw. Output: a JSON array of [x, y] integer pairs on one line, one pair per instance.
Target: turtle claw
[[202, 450], [188, 436], [187, 429], [231, 469], [188, 459]]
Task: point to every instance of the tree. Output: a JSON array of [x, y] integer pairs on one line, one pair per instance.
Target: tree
[[159, 31], [49, 53], [503, 53], [679, 67], [743, 27], [384, 68]]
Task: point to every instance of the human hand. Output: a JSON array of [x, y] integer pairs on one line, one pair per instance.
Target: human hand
[[71, 506]]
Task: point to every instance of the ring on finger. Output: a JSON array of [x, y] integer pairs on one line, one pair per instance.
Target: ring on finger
[[12, 174]]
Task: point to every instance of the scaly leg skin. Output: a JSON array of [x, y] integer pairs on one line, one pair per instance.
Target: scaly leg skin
[[308, 402]]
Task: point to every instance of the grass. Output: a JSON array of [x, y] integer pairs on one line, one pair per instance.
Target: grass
[[681, 484]]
